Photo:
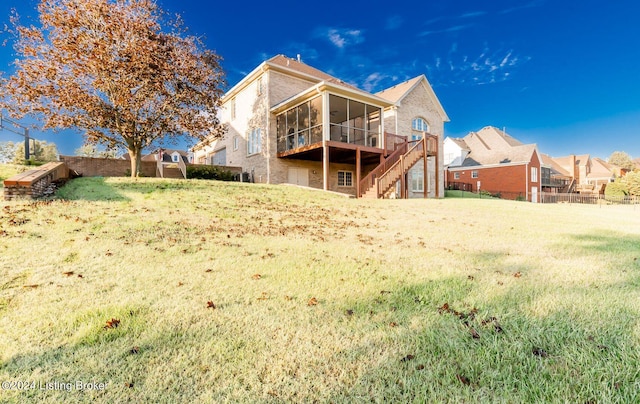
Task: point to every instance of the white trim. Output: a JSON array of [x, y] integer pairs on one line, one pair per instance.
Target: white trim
[[345, 179], [463, 168]]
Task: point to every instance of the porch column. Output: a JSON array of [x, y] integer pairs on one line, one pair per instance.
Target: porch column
[[358, 173], [325, 166]]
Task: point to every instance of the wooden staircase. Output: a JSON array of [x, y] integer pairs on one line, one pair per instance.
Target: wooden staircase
[[172, 172], [383, 178]]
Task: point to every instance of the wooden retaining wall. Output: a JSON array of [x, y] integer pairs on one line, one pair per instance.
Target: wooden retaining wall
[[35, 183]]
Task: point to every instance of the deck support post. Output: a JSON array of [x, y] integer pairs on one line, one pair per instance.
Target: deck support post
[[325, 166], [358, 172], [426, 169]]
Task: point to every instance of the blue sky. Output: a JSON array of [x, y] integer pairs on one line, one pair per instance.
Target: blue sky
[[562, 74]]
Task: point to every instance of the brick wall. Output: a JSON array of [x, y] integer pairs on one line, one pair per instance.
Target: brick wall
[[510, 180], [103, 167]]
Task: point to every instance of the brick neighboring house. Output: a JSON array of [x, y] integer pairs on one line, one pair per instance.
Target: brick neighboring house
[[291, 123], [170, 163], [588, 175], [492, 160]]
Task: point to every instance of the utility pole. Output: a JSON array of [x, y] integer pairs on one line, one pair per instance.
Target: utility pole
[[15, 128]]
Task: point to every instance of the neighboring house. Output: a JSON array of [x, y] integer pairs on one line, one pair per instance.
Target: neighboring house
[[170, 163], [291, 123], [492, 160], [555, 178], [589, 175]]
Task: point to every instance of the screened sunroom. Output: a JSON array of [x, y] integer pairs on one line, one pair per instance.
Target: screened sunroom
[[350, 121]]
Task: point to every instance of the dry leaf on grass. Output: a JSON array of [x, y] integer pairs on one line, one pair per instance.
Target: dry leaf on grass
[[113, 323]]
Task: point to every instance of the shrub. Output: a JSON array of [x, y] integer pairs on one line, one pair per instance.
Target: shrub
[[616, 189], [209, 173]]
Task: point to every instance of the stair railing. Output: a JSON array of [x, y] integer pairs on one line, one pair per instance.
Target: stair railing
[[407, 160]]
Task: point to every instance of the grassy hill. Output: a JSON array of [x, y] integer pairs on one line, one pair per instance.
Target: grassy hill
[[201, 291], [9, 170]]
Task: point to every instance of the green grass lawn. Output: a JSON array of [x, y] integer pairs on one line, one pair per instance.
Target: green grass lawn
[[203, 291], [9, 170]]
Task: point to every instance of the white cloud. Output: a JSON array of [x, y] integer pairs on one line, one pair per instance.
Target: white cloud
[[372, 81], [343, 37], [473, 14], [487, 68]]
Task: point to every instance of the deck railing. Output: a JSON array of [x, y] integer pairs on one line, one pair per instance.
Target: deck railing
[[182, 166], [391, 141]]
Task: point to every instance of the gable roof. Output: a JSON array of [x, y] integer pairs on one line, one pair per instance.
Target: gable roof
[[459, 142], [556, 168], [282, 61], [398, 92], [600, 169], [288, 66], [491, 146], [300, 69]]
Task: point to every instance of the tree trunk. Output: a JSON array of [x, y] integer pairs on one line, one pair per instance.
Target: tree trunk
[[136, 159]]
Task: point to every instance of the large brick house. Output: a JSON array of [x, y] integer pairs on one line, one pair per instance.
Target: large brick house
[[587, 174], [495, 162], [291, 123]]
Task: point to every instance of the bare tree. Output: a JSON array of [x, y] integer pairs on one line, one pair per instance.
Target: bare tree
[[117, 70]]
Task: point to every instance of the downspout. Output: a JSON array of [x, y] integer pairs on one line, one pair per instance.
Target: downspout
[[268, 119], [526, 176]]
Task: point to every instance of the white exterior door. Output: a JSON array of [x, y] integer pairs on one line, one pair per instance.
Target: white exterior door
[[534, 194], [298, 176]]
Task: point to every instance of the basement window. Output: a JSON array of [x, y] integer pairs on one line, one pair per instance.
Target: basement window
[[345, 179]]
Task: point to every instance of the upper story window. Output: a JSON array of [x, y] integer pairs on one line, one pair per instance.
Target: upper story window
[[236, 142], [174, 158], [534, 174], [259, 88], [232, 108], [418, 127], [474, 174], [254, 142]]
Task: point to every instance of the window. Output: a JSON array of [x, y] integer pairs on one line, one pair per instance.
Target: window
[[345, 179], [300, 125], [254, 142], [456, 175], [417, 181], [353, 121], [259, 86], [474, 174], [233, 108], [534, 174], [174, 158], [418, 127], [236, 142]]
